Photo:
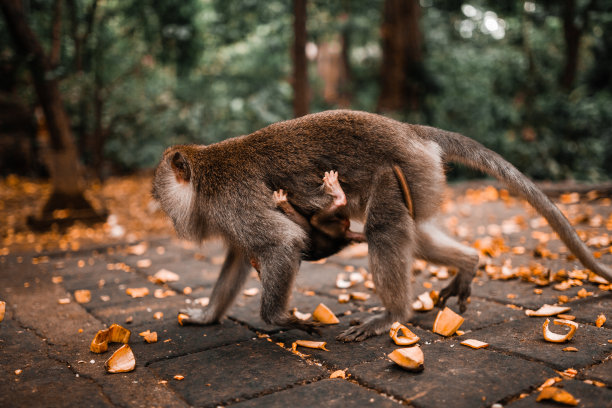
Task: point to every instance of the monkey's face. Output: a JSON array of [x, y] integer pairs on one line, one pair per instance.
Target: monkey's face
[[172, 188]]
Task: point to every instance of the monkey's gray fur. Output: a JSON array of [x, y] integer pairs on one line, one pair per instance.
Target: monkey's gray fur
[[224, 190]]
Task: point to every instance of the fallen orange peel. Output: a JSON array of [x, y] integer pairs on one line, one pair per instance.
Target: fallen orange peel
[[137, 292], [601, 319], [149, 336], [425, 301], [182, 317], [2, 310], [558, 395], [409, 358], [556, 337], [338, 374], [475, 344], [121, 361], [309, 344], [407, 337], [82, 296], [324, 315], [447, 322], [114, 334], [547, 310]]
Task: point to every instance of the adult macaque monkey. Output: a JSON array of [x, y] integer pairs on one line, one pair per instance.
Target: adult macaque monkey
[[224, 190]]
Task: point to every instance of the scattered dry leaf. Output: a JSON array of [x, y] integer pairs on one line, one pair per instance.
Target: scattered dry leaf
[[407, 337], [556, 337], [447, 322], [409, 358], [137, 292], [82, 296], [558, 395], [547, 310], [149, 336], [601, 319], [121, 361], [475, 344], [324, 315]]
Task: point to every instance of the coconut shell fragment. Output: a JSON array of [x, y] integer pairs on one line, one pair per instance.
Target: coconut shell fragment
[[556, 337], [409, 358], [558, 395], [324, 315], [121, 361], [402, 336], [447, 322], [547, 310]]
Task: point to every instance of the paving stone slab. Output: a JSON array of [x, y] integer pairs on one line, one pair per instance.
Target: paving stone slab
[[586, 310], [326, 393], [236, 372], [524, 338], [480, 313], [590, 396], [42, 380], [142, 310], [454, 376], [343, 355], [521, 293], [600, 372], [174, 340]]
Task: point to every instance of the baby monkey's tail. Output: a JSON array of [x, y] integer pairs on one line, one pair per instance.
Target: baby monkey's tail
[[461, 149]]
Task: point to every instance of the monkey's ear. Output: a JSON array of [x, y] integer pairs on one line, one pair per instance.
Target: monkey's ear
[[181, 167]]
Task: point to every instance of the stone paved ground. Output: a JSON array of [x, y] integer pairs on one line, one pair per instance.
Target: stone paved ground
[[244, 362]]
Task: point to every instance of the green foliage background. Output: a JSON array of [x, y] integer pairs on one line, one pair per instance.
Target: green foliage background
[[199, 71]]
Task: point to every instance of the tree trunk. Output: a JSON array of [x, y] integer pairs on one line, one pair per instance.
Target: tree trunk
[[62, 157], [402, 56], [572, 34], [300, 67], [56, 34]]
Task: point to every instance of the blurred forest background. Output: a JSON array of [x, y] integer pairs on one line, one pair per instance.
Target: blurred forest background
[[529, 79]]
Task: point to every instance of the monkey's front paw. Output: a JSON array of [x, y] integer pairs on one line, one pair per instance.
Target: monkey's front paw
[[460, 287], [279, 197], [200, 317], [372, 327]]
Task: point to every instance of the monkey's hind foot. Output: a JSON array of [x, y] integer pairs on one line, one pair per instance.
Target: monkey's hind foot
[[198, 317], [332, 186], [460, 287], [373, 326]]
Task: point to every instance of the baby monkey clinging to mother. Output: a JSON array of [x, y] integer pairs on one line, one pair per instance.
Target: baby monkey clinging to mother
[[225, 189]]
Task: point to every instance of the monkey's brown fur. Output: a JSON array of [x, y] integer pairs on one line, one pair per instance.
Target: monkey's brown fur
[[224, 190]]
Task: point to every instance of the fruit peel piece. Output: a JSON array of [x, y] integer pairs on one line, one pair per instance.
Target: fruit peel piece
[[558, 395], [409, 358], [309, 344], [182, 317], [324, 315], [2, 310], [475, 344], [556, 337], [407, 337], [114, 334], [447, 322], [122, 360], [547, 311]]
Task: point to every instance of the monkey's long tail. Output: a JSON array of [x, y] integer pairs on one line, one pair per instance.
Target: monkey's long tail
[[461, 149]]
